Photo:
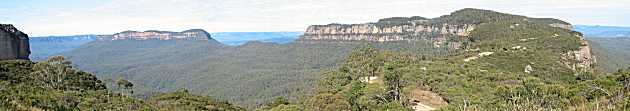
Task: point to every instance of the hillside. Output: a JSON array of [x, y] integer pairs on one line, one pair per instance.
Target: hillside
[[25, 87], [610, 45], [54, 85], [468, 44], [256, 72], [612, 53], [512, 64]]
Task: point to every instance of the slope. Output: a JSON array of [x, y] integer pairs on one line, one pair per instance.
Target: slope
[[612, 53], [54, 85], [518, 65], [249, 74]]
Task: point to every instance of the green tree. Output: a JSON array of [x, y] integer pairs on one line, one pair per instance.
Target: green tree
[[352, 96], [362, 62], [53, 72], [329, 102], [277, 102], [393, 79], [126, 85], [623, 96]]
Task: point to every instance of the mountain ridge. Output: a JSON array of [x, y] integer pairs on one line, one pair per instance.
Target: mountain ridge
[[191, 34], [458, 23]]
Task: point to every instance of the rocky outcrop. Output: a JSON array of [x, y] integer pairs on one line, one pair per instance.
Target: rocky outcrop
[[13, 43], [193, 34], [585, 57], [582, 59]]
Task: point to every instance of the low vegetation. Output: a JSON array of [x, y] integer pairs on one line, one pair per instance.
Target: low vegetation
[[465, 86]]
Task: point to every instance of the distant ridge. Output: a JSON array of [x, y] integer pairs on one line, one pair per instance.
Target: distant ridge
[[192, 34], [596, 31], [240, 38]]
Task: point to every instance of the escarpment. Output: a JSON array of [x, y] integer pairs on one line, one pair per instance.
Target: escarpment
[[193, 34], [406, 29], [451, 31], [457, 24], [13, 43]]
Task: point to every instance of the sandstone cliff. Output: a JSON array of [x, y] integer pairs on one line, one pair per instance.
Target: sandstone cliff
[[386, 31], [13, 43], [445, 31], [457, 24], [193, 34], [583, 59]]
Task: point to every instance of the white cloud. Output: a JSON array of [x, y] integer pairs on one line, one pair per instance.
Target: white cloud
[[112, 16]]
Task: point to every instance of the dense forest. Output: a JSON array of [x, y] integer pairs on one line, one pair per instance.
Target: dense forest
[[257, 72], [54, 84], [611, 53], [401, 80]]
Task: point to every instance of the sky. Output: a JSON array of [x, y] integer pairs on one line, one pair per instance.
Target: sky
[[72, 17]]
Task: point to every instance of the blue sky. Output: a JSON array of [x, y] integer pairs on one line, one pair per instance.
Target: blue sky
[[68, 17]]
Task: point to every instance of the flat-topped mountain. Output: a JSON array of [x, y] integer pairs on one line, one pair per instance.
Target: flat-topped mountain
[[459, 23], [13, 43], [445, 31], [192, 34]]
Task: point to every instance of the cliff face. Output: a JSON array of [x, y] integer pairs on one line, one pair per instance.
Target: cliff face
[[412, 30], [445, 31], [193, 34], [13, 43], [583, 57], [457, 24]]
